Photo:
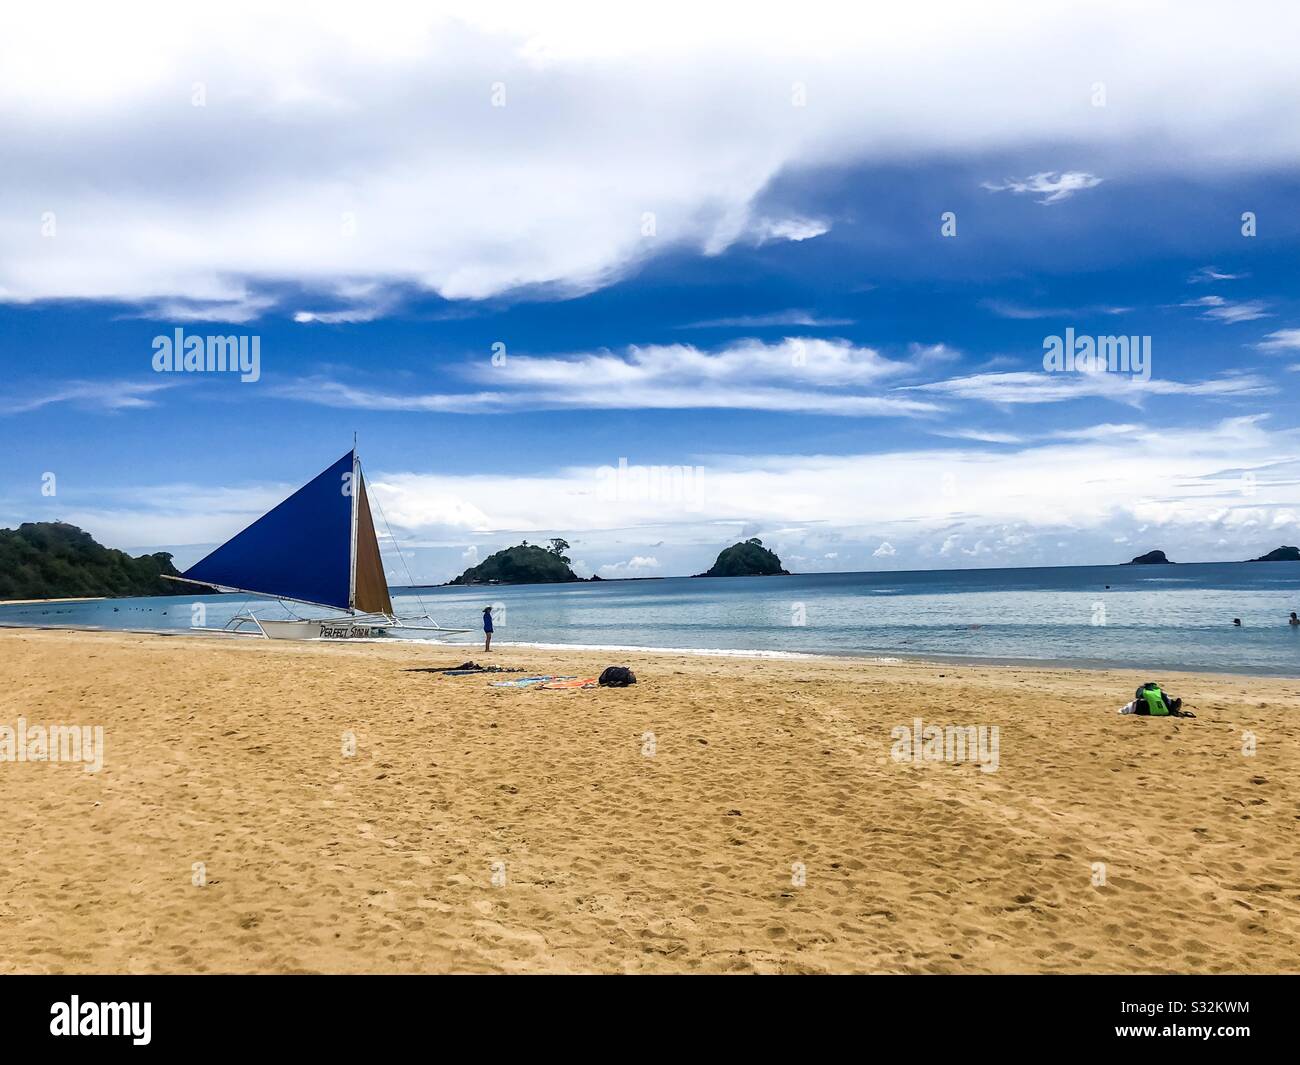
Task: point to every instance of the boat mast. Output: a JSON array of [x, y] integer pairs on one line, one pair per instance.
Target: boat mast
[[352, 556]]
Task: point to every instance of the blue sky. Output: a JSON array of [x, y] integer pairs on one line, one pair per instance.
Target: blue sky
[[679, 266]]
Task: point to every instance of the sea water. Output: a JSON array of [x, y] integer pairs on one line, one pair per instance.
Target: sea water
[[1148, 617]]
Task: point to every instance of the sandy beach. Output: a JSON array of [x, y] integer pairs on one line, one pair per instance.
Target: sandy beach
[[278, 807]]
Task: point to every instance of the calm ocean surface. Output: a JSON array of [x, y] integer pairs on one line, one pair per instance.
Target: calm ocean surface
[[1150, 617]]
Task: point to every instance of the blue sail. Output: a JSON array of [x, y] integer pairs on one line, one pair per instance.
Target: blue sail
[[300, 550]]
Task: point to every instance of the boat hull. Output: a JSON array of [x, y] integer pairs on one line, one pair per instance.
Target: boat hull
[[339, 630]]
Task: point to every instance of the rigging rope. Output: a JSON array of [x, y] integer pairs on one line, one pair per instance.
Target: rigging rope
[[400, 553]]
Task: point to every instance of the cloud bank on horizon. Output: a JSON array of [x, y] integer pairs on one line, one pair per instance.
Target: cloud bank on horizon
[[811, 255]]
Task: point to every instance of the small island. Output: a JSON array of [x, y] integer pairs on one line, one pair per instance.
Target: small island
[[748, 559], [1280, 554], [1151, 558], [55, 560], [525, 564]]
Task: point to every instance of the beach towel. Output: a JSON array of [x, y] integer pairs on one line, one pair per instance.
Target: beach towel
[[524, 682], [570, 682]]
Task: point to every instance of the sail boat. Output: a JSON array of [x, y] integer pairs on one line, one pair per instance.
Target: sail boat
[[317, 547]]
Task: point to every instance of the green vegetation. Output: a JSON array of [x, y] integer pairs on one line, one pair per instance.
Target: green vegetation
[[750, 559], [525, 564], [1151, 558], [52, 560], [1280, 554]]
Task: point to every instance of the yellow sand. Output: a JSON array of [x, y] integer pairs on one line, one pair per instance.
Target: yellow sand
[[231, 754]]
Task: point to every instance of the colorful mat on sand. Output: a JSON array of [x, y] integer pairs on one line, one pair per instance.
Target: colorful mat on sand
[[570, 682], [524, 682]]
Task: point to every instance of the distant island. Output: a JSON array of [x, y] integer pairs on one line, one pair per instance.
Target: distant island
[[1280, 554], [748, 559], [1151, 558], [525, 564], [54, 560], [1157, 558]]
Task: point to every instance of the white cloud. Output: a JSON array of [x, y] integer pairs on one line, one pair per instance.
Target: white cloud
[[795, 229], [1053, 187], [1210, 274], [94, 395], [1040, 387], [1219, 309], [764, 321], [1160, 486], [795, 374], [1067, 483], [633, 566], [1008, 309], [427, 508], [982, 436], [340, 145], [1283, 340], [359, 314], [238, 308]]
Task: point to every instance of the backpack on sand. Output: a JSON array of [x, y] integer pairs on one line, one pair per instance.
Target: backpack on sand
[[1152, 702], [617, 677]]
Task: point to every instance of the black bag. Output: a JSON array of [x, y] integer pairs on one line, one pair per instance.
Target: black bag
[[617, 677]]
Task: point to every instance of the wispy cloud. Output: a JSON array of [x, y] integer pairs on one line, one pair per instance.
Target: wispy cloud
[[363, 301], [1052, 186], [796, 375], [1026, 387], [1210, 274], [1283, 340], [109, 396], [235, 310], [798, 318], [350, 315], [795, 229], [1010, 309], [982, 436], [1228, 312], [804, 375]]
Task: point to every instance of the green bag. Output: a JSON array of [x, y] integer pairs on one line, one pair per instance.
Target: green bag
[[1155, 700]]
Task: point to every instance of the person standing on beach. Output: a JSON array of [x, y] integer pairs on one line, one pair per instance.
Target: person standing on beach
[[487, 628]]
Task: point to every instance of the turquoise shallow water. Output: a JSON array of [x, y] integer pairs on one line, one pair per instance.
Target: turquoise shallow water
[[1166, 617]]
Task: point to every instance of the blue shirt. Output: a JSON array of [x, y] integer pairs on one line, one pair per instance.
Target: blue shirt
[[487, 622]]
